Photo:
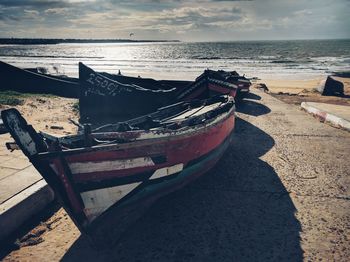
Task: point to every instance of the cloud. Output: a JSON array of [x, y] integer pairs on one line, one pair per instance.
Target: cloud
[[8, 17], [31, 13], [303, 12], [57, 11], [187, 20]]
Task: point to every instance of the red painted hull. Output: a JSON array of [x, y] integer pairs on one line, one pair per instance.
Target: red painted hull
[[124, 215], [176, 150]]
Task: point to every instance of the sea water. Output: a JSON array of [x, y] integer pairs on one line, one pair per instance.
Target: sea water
[[302, 59]]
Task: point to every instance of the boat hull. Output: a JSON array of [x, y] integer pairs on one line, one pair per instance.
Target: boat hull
[[103, 99], [105, 176], [16, 79], [124, 215], [117, 181]]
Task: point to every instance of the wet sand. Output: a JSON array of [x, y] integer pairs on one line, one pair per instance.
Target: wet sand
[[280, 193]]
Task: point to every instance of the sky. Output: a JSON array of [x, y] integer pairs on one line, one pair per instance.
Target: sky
[[203, 20]]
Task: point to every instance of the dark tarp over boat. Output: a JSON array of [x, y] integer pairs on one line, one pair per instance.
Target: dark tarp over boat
[[20, 80], [106, 178]]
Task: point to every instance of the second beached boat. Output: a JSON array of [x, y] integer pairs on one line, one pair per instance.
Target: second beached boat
[[106, 97]]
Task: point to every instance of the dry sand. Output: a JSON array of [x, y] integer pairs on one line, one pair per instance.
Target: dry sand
[[48, 241], [49, 114]]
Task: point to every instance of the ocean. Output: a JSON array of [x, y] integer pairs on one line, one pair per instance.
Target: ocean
[[299, 59]]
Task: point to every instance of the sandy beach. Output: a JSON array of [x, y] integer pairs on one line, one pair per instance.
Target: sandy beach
[[298, 91], [48, 113], [51, 238]]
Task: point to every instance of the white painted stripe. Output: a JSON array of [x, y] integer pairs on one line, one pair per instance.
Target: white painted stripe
[[90, 167], [166, 171], [97, 201]]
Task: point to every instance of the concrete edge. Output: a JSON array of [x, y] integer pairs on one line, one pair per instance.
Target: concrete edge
[[326, 117], [18, 209]]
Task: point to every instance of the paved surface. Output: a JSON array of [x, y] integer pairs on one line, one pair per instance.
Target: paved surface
[[20, 188], [280, 193], [16, 172]]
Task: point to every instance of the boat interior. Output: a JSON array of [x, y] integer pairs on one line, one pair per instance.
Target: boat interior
[[171, 118]]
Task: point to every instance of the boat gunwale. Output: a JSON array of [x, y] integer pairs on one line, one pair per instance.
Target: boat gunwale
[[119, 85]]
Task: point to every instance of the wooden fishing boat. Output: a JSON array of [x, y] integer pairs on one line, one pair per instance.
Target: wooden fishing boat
[[120, 97], [243, 84], [209, 83], [107, 177], [220, 81], [107, 97], [149, 83], [36, 80], [20, 80]]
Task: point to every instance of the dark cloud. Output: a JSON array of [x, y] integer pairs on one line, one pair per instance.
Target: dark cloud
[[8, 17]]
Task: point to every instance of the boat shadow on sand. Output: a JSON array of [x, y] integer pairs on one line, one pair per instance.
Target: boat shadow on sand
[[239, 211], [250, 107], [253, 96]]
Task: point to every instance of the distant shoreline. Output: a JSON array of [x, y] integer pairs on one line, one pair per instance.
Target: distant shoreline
[[54, 41]]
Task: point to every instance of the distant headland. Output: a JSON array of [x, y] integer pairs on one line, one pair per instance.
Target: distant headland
[[54, 41]]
